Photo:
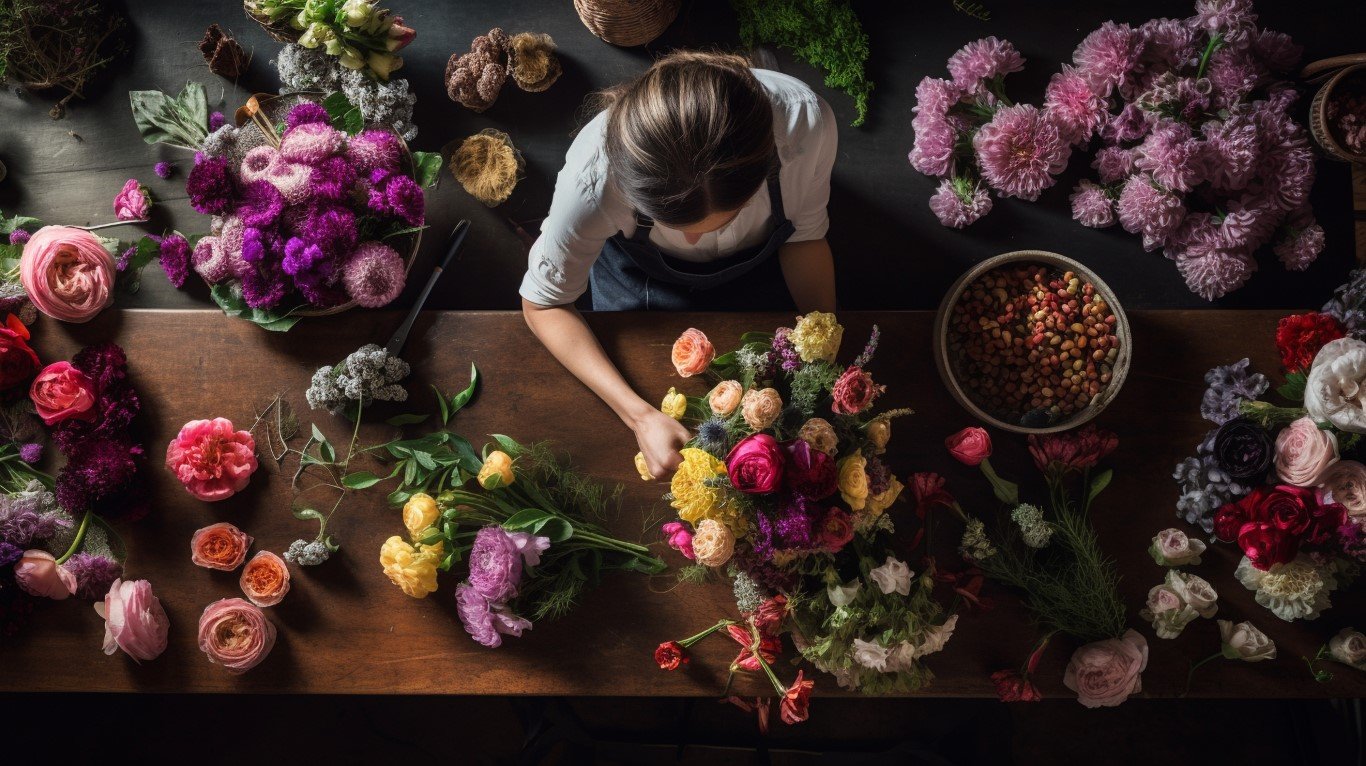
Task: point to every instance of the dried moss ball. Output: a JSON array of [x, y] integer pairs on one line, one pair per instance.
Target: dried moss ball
[[488, 166], [531, 57]]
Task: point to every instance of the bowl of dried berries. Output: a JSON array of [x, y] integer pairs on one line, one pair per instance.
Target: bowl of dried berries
[[1032, 342]]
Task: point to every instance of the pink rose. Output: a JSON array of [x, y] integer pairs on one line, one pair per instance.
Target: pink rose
[[132, 202], [67, 273], [39, 574], [725, 397], [213, 461], [62, 392], [219, 546], [970, 446], [755, 465], [133, 620], [853, 392], [1304, 452], [1105, 673], [235, 634], [692, 353], [678, 537]]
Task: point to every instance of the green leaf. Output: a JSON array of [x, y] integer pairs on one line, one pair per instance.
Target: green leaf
[[527, 518], [360, 480], [317, 432], [401, 230], [193, 105], [508, 445], [1099, 484], [1293, 389], [399, 496], [146, 251], [555, 528], [757, 338], [8, 225], [407, 419], [427, 167], [425, 460], [344, 115], [445, 408], [463, 398], [232, 303], [180, 121]]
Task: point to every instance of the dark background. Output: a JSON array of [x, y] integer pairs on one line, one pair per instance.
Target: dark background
[[891, 254]]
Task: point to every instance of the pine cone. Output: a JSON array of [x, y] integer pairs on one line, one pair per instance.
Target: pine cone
[[474, 79]]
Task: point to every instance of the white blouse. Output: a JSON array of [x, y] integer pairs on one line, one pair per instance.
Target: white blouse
[[586, 210]]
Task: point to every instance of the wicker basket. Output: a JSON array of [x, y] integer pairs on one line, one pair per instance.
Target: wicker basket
[[1336, 75], [274, 106], [627, 22]]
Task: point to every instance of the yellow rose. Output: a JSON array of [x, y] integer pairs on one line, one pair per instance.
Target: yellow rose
[[692, 498], [760, 407], [712, 543], [642, 468], [725, 397], [879, 432], [853, 481], [818, 433], [675, 405], [419, 513], [817, 337], [412, 569], [884, 499], [496, 471]]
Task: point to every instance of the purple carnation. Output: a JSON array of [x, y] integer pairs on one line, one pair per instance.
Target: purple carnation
[[1114, 164], [1106, 55], [1091, 205], [162, 169], [486, 622], [959, 202], [1301, 246], [333, 178], [1070, 104], [983, 59], [216, 121], [374, 275], [374, 150], [305, 113], [31, 453], [174, 255], [1020, 152], [18, 237], [94, 574], [210, 186], [260, 205], [1172, 156], [1144, 208], [9, 554]]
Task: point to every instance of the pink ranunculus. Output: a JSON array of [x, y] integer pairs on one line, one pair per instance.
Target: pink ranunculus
[[1105, 673], [133, 620], [755, 465], [67, 273], [132, 202], [677, 535], [1304, 452], [212, 460], [970, 446], [62, 392], [235, 634], [39, 574], [692, 353]]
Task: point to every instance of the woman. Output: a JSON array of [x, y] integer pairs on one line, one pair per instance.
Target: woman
[[701, 186]]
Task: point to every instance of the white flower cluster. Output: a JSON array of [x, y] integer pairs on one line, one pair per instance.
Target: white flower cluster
[[383, 103], [1033, 529], [306, 553], [367, 374]]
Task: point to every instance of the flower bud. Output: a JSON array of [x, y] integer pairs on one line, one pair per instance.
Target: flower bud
[[383, 64], [674, 404], [357, 12], [419, 513], [496, 471], [643, 468]]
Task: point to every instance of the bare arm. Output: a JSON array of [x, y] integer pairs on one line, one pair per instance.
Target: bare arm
[[809, 270], [569, 339]]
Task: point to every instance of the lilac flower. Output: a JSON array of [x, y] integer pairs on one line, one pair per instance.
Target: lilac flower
[[1091, 205], [1144, 208], [1205, 488], [216, 121], [374, 150], [1020, 152], [18, 237], [1227, 387], [1172, 156], [1277, 51], [1114, 164], [786, 351], [260, 205], [959, 202], [1106, 55], [163, 169], [210, 186], [310, 143], [94, 574], [374, 275], [333, 178], [1348, 302], [1070, 104], [305, 113], [1231, 19], [174, 255], [1301, 246], [31, 453], [983, 59]]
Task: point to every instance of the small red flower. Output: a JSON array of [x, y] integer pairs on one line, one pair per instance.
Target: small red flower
[[769, 617], [928, 490], [1072, 451], [671, 655], [796, 704], [769, 646], [1299, 337], [1013, 687]]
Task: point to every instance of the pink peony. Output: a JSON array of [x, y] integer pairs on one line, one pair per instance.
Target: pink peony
[[39, 574], [132, 203], [1070, 104], [374, 275], [133, 620], [67, 273], [1020, 152], [62, 392], [1105, 673], [235, 634], [853, 392], [983, 59], [213, 461], [1107, 55], [1091, 206], [1147, 209], [958, 209]]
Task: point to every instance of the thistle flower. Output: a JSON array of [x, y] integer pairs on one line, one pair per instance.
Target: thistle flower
[[19, 237], [1020, 152], [31, 453], [714, 436], [374, 275], [331, 228], [959, 202], [1091, 205], [981, 60]]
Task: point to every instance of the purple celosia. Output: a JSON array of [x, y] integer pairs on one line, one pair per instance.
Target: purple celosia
[[18, 237], [174, 254], [1106, 55], [163, 169], [210, 186], [981, 60], [216, 121], [301, 256], [1071, 105], [404, 199], [260, 205], [1091, 205], [374, 275], [264, 286], [1171, 156], [1144, 208], [1113, 164], [333, 178], [311, 143], [1020, 152], [959, 202], [1300, 246], [260, 245], [94, 574], [373, 150], [305, 113], [116, 401], [31, 453]]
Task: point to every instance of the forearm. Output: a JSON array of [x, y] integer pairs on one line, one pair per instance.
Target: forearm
[[563, 331], [809, 270]]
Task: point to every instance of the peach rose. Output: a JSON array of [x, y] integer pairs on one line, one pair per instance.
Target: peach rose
[[1346, 481], [265, 579], [212, 459], [235, 634], [67, 273], [39, 574], [219, 546], [1304, 452], [133, 620], [725, 397], [1105, 673], [760, 407], [62, 392], [692, 353]]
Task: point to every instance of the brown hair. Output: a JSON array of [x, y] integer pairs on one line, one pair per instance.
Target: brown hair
[[691, 136]]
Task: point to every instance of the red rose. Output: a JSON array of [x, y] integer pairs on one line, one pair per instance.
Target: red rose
[[1264, 544], [970, 446], [796, 704], [755, 465], [854, 391], [769, 646], [18, 362], [1013, 687], [1300, 336], [1324, 521], [670, 655], [836, 530], [809, 473], [62, 392]]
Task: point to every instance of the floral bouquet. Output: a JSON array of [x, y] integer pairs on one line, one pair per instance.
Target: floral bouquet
[[363, 37], [1285, 481], [783, 486], [1198, 153]]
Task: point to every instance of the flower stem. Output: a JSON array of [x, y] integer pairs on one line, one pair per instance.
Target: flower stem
[[78, 539], [690, 640], [1195, 667], [754, 649]]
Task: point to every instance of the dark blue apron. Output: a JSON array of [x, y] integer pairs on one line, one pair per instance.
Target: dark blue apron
[[633, 274]]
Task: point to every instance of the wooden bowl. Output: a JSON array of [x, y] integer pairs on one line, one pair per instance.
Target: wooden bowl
[[1348, 77], [948, 368]]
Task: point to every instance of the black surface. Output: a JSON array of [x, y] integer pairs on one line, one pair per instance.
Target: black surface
[[890, 251]]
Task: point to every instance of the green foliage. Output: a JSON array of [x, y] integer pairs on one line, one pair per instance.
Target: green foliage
[[144, 252], [427, 167], [345, 116], [229, 298], [824, 33], [182, 120], [1293, 388], [812, 383]]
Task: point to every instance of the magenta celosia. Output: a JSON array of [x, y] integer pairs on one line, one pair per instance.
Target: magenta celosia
[[1106, 55], [983, 59], [305, 113], [259, 205], [958, 208], [1020, 152], [374, 275], [1145, 208], [1071, 105], [333, 178], [174, 255], [210, 185], [1091, 206], [373, 150], [261, 245]]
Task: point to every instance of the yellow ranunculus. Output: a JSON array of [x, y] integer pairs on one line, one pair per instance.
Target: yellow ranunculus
[[817, 337], [412, 569], [853, 481], [884, 499], [692, 498], [674, 404], [643, 468], [419, 513], [496, 471]]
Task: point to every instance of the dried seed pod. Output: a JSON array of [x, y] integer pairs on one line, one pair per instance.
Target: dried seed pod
[[532, 61], [488, 166], [223, 54], [474, 79]]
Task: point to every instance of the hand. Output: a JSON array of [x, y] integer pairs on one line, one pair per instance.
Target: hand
[[660, 438]]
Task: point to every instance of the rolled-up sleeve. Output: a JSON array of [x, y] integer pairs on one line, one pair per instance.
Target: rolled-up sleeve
[[815, 135]]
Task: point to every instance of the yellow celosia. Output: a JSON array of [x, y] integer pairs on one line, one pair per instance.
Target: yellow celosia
[[817, 337], [411, 568]]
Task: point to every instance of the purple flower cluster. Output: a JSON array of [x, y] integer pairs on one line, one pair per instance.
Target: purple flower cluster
[[94, 573], [101, 471], [289, 220], [30, 516], [497, 561]]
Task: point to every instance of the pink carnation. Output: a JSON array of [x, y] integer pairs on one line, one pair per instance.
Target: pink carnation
[[211, 459], [1107, 55], [1020, 152], [132, 203], [934, 149], [1213, 260], [1091, 206], [1290, 175], [1071, 105], [1167, 44], [1171, 156], [1232, 74], [957, 209], [374, 275], [133, 620], [1145, 208], [981, 60]]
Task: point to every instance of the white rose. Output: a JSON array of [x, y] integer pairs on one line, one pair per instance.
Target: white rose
[[843, 595], [1167, 611], [901, 657], [1349, 648], [1336, 390], [893, 577], [936, 637], [1195, 591], [1245, 642], [1173, 548], [870, 654]]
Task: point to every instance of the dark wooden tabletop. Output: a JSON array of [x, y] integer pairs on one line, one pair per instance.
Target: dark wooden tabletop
[[345, 629]]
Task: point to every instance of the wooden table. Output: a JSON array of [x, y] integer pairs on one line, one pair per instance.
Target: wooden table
[[345, 629]]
